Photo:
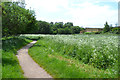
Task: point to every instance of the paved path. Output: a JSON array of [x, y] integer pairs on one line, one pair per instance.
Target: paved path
[[31, 69]]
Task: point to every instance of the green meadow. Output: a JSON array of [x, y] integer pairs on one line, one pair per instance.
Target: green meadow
[[64, 56], [77, 56]]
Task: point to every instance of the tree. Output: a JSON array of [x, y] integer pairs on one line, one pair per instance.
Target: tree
[[67, 30], [44, 27], [61, 31], [16, 19], [59, 24], [106, 28], [53, 29], [75, 29], [51, 23], [68, 24]]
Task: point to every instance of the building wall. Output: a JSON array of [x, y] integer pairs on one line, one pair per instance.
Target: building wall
[[93, 29]]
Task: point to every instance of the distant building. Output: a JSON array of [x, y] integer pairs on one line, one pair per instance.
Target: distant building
[[93, 29]]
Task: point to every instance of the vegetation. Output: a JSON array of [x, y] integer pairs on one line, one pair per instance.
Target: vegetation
[[23, 21], [106, 28], [67, 28], [10, 64], [110, 29], [116, 30], [17, 20], [0, 64], [65, 55], [80, 56]]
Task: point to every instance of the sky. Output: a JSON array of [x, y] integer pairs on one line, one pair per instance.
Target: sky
[[85, 13]]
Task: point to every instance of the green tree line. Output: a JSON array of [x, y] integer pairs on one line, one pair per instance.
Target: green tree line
[[57, 28], [18, 20], [111, 29]]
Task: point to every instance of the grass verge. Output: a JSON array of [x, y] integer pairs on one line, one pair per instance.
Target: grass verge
[[10, 64], [63, 66]]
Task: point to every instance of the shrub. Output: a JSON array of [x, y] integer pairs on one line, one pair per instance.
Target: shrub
[[116, 30], [88, 33]]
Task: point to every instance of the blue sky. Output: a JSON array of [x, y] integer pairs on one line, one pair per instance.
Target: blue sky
[[86, 13]]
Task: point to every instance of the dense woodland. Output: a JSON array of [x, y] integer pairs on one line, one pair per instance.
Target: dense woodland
[[18, 20]]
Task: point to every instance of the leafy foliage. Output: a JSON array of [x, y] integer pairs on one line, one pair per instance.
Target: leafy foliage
[[106, 28], [75, 29], [116, 30], [67, 28], [16, 20], [43, 27]]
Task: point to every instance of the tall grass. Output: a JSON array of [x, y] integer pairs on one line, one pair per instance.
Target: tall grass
[[10, 64], [100, 51]]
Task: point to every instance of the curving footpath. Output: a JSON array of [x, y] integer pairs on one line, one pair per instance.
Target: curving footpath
[[31, 69]]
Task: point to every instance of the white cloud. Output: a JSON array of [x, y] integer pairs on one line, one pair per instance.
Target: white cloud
[[81, 13], [48, 5], [88, 14]]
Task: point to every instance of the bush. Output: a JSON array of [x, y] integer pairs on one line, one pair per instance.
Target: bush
[[116, 30], [88, 33]]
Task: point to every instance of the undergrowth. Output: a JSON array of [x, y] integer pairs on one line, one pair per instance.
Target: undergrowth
[[10, 64]]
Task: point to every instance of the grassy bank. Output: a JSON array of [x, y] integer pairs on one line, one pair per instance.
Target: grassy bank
[[10, 64], [0, 64], [62, 57]]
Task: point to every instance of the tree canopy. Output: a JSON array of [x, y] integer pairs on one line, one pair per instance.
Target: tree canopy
[[106, 28], [16, 19]]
